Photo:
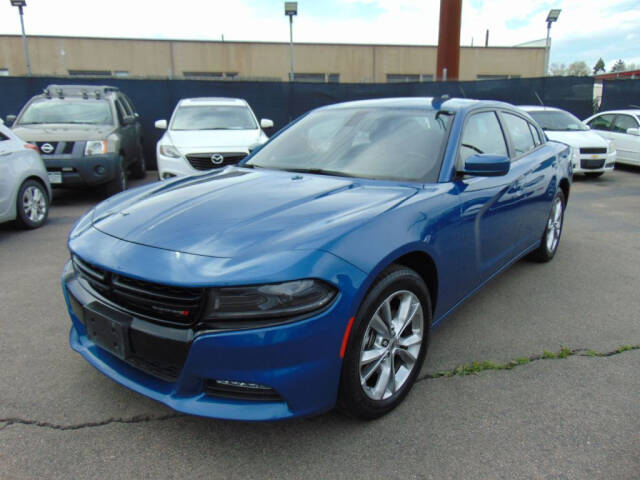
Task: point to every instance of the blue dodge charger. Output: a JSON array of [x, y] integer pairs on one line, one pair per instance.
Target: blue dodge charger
[[310, 276]]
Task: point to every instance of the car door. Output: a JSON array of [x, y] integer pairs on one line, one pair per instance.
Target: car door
[[489, 214], [627, 145]]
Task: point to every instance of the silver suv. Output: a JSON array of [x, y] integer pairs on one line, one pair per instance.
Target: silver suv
[[88, 135]]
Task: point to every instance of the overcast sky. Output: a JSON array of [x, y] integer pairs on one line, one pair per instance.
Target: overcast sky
[[586, 30]]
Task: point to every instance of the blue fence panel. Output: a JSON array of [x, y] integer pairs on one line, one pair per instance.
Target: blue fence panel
[[620, 94]]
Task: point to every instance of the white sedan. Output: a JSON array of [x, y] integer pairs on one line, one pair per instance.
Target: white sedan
[[593, 156], [25, 192], [623, 127], [207, 133]]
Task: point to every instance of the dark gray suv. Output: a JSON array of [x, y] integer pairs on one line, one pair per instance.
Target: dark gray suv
[[88, 135]]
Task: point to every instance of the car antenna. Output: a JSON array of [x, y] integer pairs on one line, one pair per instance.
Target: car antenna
[[464, 94], [539, 99]]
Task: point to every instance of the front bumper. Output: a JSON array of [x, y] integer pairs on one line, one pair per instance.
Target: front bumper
[[82, 171], [173, 167], [300, 361], [595, 163]]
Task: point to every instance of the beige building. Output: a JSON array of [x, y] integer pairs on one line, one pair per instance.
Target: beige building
[[60, 56]]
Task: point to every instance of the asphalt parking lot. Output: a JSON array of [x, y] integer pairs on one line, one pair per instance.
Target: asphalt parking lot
[[576, 415]]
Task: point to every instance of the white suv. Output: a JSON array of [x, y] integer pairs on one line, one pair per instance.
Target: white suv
[[594, 154], [207, 133]]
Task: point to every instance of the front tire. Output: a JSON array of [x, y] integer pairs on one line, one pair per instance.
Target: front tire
[[552, 232], [32, 205], [388, 344], [119, 183]]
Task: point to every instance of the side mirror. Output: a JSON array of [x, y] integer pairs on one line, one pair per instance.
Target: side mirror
[[161, 124], [634, 131], [486, 165], [11, 119], [136, 115], [266, 123]]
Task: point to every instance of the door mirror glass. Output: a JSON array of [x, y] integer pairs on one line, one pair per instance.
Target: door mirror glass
[[634, 131], [161, 124], [486, 165], [266, 123]]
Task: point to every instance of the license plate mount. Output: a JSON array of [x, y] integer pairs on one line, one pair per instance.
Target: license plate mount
[[111, 334], [55, 177]]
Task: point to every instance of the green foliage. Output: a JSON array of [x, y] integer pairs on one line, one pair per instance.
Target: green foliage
[[599, 67]]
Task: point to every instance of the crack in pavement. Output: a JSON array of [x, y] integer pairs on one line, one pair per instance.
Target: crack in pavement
[[461, 370], [474, 368]]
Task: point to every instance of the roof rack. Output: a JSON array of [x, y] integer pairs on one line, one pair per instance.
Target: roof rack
[[79, 90]]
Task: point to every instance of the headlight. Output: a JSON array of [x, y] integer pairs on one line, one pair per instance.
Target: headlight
[[282, 300], [95, 147], [612, 146], [169, 151], [575, 156]]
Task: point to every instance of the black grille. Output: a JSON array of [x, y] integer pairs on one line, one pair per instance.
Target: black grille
[[68, 148], [163, 370], [586, 151], [58, 147], [591, 164], [236, 391], [202, 161], [53, 144], [175, 305]]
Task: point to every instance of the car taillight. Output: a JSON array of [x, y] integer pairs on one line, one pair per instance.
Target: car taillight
[[31, 146]]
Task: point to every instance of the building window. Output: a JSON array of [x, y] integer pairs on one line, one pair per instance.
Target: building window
[[496, 77], [4, 72], [120, 73], [90, 73], [427, 77], [309, 77], [402, 77], [333, 78], [210, 75], [231, 75]]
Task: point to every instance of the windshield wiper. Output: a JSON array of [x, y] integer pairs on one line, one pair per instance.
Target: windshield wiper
[[318, 171]]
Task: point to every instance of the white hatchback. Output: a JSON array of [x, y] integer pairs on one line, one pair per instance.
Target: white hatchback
[[593, 156], [623, 127], [207, 133]]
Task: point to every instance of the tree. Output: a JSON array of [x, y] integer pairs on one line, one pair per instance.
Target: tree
[[599, 67], [558, 69], [619, 66], [578, 69]]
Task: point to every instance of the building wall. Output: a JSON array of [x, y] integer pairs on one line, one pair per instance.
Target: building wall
[[171, 58]]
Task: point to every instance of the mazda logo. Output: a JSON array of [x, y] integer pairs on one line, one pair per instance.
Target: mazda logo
[[217, 158], [47, 148]]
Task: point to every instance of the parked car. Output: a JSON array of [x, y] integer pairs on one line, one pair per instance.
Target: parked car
[[207, 133], [25, 192], [623, 127], [311, 274], [594, 154], [88, 135]]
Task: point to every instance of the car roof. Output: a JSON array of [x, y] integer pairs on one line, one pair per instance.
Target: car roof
[[431, 103], [212, 101], [540, 108]]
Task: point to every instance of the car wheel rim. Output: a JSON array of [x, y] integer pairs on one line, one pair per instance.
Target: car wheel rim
[[391, 345], [554, 226], [34, 204]]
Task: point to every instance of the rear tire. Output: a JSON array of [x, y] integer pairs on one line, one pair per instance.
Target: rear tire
[[32, 205], [119, 183], [139, 169], [387, 346], [552, 231]]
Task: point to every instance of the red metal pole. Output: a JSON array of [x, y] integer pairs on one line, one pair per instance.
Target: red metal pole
[[449, 39]]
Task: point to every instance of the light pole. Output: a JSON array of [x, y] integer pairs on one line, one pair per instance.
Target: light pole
[[20, 4], [291, 9], [552, 17]]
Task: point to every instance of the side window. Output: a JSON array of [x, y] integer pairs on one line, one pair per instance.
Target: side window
[[482, 134], [122, 113], [3, 137], [520, 133], [129, 104], [623, 122], [602, 122], [536, 135]]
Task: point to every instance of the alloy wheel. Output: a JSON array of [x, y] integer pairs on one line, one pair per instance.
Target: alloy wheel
[[554, 225], [34, 204]]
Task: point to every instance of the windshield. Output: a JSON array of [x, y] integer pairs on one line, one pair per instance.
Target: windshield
[[211, 117], [556, 120], [55, 110], [384, 143]]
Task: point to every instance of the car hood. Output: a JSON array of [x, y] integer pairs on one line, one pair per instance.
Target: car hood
[[213, 140], [578, 139], [57, 132], [241, 211]]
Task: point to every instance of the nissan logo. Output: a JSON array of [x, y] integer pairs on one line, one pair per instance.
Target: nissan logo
[[46, 148], [217, 158]]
